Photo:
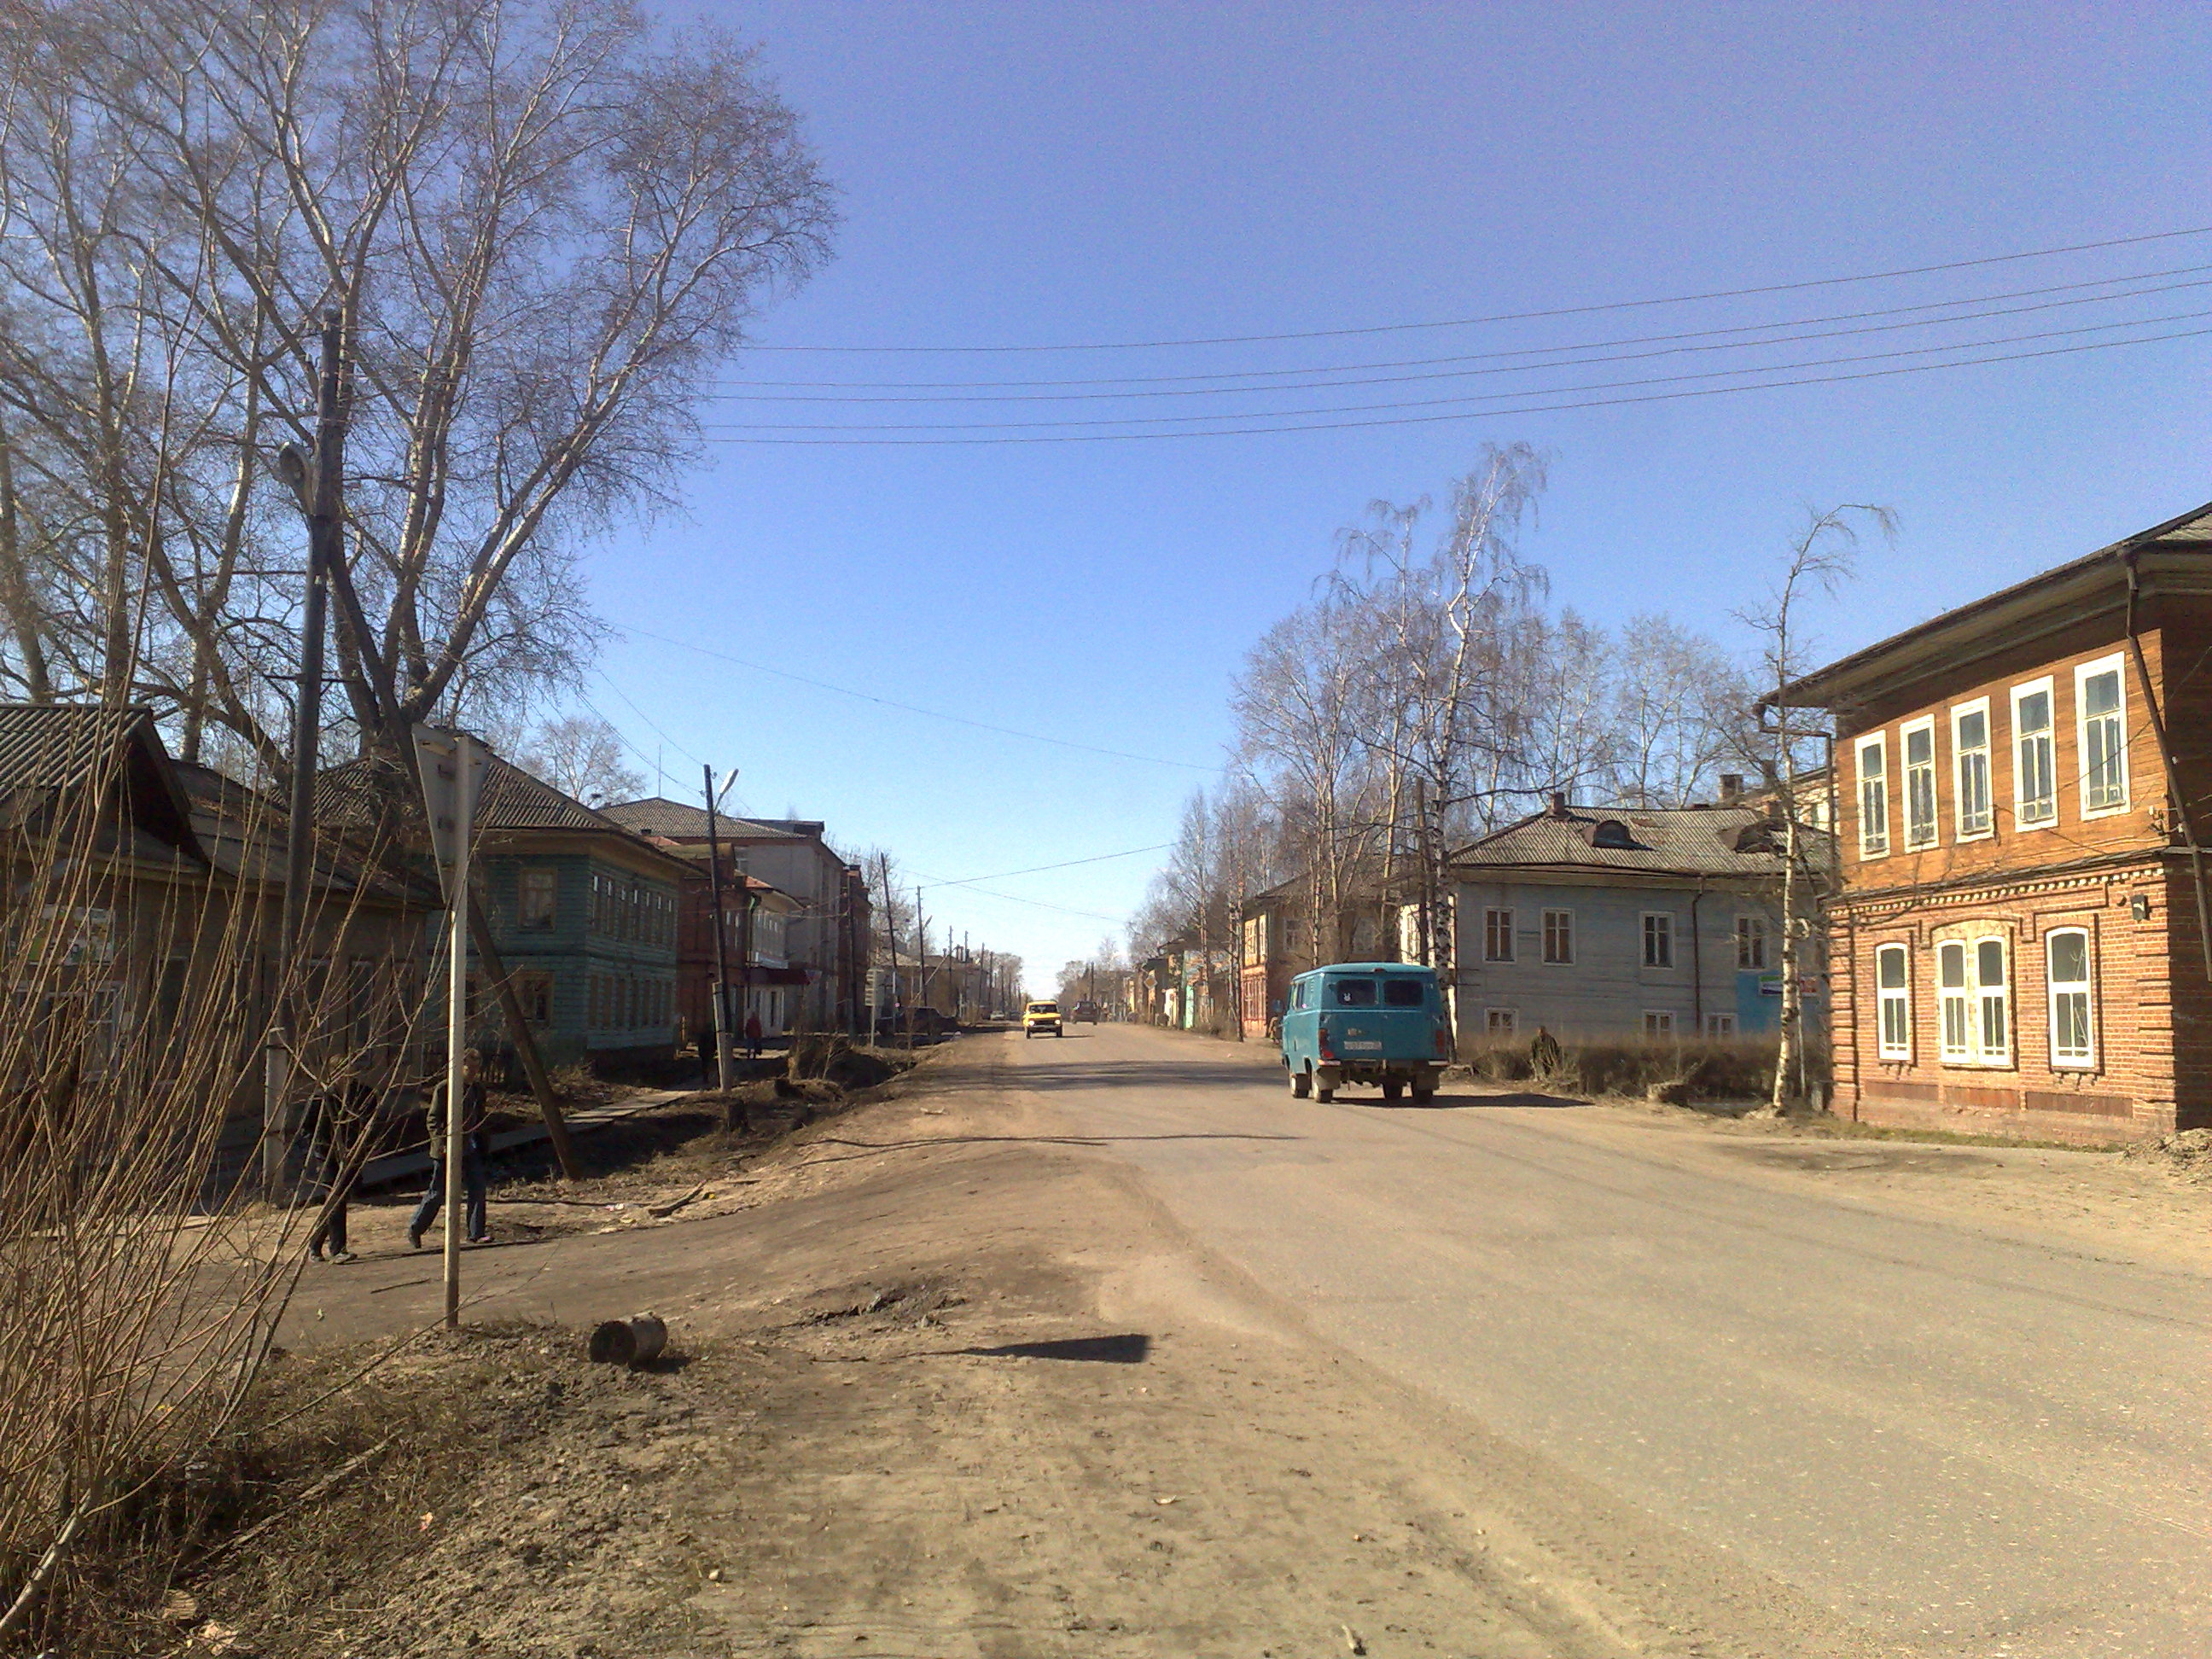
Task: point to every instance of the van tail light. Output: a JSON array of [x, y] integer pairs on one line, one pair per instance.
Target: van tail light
[[1443, 1042], [1328, 1050]]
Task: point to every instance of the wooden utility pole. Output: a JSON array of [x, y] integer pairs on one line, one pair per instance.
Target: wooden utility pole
[[320, 487], [722, 1080]]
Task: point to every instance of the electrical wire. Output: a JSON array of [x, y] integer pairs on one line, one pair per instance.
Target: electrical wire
[[750, 434], [1688, 341], [1035, 869], [914, 708], [929, 880], [1513, 316], [1470, 397]]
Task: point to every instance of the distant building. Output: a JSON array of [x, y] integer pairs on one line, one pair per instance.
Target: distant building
[[1621, 923], [823, 977]]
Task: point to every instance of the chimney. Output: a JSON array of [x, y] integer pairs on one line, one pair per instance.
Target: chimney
[[1559, 805], [1731, 788]]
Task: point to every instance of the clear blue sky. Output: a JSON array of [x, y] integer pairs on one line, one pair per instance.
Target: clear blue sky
[[1046, 174]]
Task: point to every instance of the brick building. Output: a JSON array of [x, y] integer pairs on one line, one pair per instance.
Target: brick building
[[2016, 947]]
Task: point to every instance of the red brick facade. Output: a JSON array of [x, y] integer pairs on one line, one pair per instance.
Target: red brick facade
[[2043, 919]]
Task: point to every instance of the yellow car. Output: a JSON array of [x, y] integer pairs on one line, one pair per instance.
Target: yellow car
[[1041, 1017]]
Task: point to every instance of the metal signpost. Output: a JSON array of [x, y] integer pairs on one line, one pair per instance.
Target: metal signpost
[[452, 764]]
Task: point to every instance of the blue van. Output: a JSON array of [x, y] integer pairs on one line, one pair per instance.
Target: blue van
[[1366, 1022]]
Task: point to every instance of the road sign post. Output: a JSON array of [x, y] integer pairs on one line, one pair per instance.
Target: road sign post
[[452, 765]]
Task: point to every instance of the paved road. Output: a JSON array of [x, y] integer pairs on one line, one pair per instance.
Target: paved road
[[1976, 1444]]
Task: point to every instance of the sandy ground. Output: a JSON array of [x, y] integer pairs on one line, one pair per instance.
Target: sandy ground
[[946, 1384]]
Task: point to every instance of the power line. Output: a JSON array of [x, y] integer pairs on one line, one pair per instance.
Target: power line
[[1513, 316], [1013, 898], [727, 435], [1036, 869], [1466, 398], [915, 708], [1687, 339]]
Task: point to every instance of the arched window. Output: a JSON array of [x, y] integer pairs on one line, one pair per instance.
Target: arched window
[[1611, 832]]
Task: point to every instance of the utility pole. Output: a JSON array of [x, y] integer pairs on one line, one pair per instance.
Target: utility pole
[[921, 965], [722, 1080], [320, 491]]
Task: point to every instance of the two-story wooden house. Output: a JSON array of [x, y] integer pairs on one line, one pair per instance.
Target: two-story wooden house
[[2019, 945]]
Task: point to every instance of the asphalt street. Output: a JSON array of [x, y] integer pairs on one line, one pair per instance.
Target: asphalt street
[[1963, 1438]]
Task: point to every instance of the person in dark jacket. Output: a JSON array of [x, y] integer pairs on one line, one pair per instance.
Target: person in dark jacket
[[339, 1147], [752, 1035], [475, 1149]]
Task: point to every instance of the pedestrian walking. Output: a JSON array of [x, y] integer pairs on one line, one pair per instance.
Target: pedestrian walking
[[338, 1145], [475, 1149], [752, 1035]]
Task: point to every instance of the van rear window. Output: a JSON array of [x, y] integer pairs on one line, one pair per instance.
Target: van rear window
[[1404, 993], [1353, 993]]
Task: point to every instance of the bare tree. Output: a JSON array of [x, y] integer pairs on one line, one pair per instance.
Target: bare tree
[[1823, 556], [581, 755], [544, 225]]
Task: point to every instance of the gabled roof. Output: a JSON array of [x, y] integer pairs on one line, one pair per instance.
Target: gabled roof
[[2179, 551], [1714, 841], [47, 749]]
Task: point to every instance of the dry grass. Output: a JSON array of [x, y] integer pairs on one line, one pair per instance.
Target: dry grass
[[141, 1291], [1718, 1069]]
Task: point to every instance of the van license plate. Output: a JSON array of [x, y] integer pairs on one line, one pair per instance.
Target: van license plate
[[1363, 1048]]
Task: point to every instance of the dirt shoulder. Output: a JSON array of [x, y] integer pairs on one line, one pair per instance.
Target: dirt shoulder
[[949, 1384]]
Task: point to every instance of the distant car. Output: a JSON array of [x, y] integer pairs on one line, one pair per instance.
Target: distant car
[[1085, 1013], [1038, 1017], [1366, 1021]]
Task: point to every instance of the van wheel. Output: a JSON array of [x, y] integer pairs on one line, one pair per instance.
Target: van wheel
[[1327, 1096], [1301, 1085], [1393, 1087], [1424, 1093]]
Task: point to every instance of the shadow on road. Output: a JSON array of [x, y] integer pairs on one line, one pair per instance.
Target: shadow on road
[[1130, 1349], [1461, 1103], [863, 1148], [1074, 1073]]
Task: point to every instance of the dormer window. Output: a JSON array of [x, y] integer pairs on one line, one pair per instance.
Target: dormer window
[[1611, 832]]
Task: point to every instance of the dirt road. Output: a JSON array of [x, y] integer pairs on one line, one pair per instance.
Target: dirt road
[[1103, 1346]]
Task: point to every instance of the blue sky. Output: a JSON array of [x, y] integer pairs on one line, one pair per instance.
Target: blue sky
[[1052, 175]]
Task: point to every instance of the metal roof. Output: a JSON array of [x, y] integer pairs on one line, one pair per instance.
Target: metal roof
[[47, 749], [1705, 841], [657, 815]]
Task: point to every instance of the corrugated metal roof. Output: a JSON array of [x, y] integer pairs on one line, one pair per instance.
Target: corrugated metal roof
[[511, 798], [52, 745], [1718, 840]]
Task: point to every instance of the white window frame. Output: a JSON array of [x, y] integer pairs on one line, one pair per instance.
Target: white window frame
[[1961, 756], [1750, 943], [1559, 938], [1966, 1008], [1720, 1025], [2115, 664], [1898, 996], [1664, 931], [1914, 844], [1497, 933], [2025, 814], [1501, 1022], [1874, 827], [2083, 1058], [1658, 1022]]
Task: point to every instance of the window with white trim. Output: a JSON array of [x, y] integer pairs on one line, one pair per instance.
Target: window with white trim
[[1973, 981], [1720, 1025], [1658, 1022], [1658, 938], [1498, 936], [2035, 768], [1558, 936], [2066, 967], [1970, 767], [1502, 1022], [1918, 742], [1751, 942], [1893, 992], [2101, 702], [1873, 797]]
